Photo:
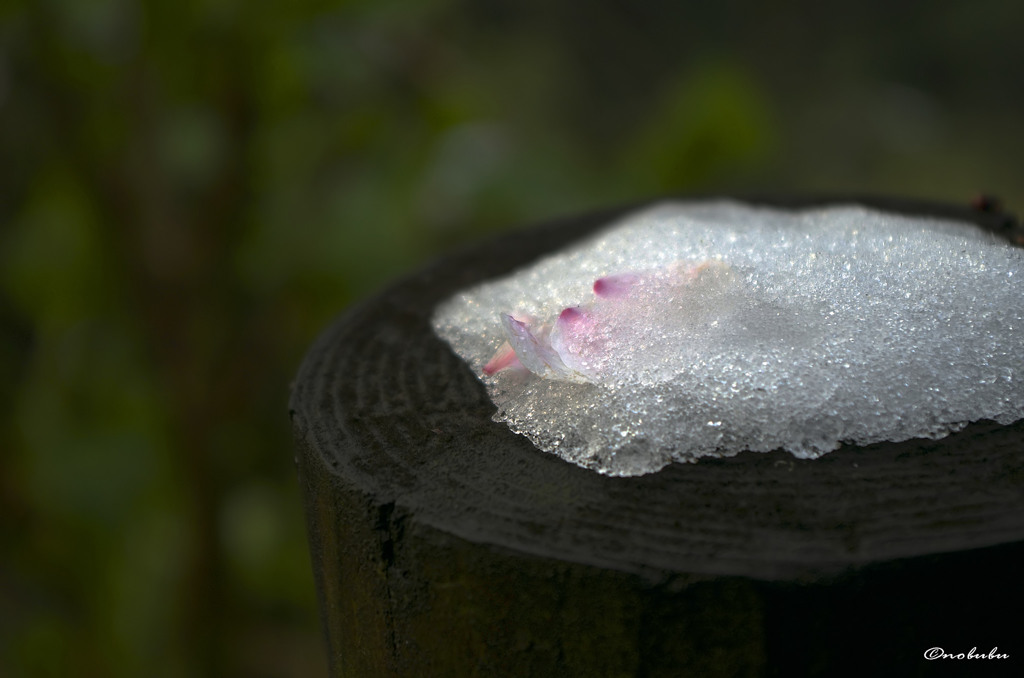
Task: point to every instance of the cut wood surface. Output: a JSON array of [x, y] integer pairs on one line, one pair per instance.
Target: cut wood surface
[[444, 544]]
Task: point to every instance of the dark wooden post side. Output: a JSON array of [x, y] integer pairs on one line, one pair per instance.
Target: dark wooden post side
[[445, 545]]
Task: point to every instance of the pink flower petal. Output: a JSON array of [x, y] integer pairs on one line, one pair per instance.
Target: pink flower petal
[[581, 343], [615, 286], [574, 321], [534, 352], [504, 359]]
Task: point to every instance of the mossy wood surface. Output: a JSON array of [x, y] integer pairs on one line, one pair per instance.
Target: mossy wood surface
[[445, 545]]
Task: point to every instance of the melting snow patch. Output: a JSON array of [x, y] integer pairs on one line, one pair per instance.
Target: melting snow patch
[[689, 330]]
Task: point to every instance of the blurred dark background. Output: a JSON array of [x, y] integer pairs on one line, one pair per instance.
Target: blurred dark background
[[189, 191]]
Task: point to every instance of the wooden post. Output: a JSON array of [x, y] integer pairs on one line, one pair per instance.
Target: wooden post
[[445, 545]]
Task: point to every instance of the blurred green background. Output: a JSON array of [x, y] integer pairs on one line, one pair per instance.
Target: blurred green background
[[189, 192]]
